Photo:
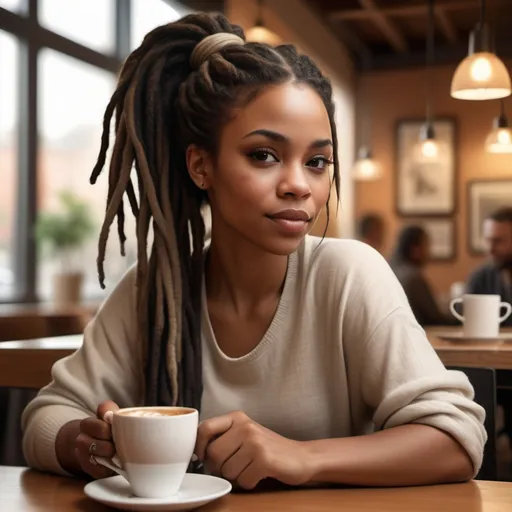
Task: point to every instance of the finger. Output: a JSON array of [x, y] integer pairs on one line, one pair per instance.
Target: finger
[[106, 409], [91, 467], [86, 448], [251, 476], [236, 464], [210, 429], [221, 449], [95, 428], [90, 446]]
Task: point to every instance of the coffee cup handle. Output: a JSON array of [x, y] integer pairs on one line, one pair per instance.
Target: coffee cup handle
[[454, 312], [110, 464], [508, 311]]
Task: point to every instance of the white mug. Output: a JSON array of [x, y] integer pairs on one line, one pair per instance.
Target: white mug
[[481, 317], [154, 446]]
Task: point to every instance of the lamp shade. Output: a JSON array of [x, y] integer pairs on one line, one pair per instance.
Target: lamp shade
[[428, 149], [481, 76], [366, 168], [499, 141], [261, 34]]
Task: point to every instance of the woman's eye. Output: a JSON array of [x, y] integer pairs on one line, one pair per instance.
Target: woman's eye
[[263, 156], [319, 162]]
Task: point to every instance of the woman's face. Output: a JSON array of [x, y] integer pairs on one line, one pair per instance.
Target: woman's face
[[273, 170]]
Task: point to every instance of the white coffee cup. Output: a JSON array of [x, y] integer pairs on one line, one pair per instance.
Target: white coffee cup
[[481, 317], [154, 446]]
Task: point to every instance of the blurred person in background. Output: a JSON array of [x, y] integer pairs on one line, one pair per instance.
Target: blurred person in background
[[371, 230], [411, 254], [495, 277]]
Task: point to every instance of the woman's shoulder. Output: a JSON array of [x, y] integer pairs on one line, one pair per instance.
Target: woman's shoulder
[[351, 272], [342, 255]]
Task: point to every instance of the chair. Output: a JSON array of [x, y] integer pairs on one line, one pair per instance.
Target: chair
[[483, 381]]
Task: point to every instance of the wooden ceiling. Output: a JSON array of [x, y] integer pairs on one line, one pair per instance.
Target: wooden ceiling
[[387, 34]]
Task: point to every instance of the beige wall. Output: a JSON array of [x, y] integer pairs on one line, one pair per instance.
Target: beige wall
[[397, 95], [295, 23]]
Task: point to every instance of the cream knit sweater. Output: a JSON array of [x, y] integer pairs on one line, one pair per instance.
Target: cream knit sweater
[[343, 356]]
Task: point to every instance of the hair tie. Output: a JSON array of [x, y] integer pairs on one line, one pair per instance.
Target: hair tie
[[213, 44]]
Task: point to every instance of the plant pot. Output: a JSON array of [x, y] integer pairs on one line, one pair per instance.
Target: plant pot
[[67, 288]]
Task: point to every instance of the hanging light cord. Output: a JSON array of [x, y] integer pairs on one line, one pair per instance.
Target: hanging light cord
[[259, 19], [429, 59], [482, 12]]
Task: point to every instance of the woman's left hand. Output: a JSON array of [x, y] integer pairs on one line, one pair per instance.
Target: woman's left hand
[[242, 451]]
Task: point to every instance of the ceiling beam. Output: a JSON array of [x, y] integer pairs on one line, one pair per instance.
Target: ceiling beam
[[411, 10], [393, 35], [447, 26], [446, 54], [354, 42]]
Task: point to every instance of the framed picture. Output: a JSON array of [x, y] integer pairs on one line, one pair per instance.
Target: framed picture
[[443, 237], [484, 197], [425, 186]]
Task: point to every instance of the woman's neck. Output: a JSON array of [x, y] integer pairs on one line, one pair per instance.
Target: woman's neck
[[242, 273]]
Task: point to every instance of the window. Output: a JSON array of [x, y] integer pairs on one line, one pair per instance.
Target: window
[[53, 95], [90, 23], [71, 111], [8, 159], [149, 14], [13, 5]]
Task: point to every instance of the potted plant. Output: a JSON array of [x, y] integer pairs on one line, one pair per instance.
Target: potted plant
[[62, 234]]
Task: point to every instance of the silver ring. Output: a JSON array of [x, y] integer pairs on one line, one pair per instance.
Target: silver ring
[[92, 448]]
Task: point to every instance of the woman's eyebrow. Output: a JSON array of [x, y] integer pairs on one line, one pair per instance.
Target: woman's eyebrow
[[279, 137]]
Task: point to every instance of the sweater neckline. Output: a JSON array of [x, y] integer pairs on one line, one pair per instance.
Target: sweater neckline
[[275, 328]]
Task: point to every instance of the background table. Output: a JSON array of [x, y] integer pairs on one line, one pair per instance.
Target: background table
[[489, 354], [28, 363], [28, 491]]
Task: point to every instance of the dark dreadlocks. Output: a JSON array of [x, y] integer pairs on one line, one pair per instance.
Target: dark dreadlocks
[[163, 104]]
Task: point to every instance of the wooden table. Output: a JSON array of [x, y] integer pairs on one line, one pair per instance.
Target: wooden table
[[27, 321], [28, 363], [23, 490], [489, 354]]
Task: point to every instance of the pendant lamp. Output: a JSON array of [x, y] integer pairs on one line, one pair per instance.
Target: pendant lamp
[[366, 168], [428, 149], [481, 75], [261, 34], [499, 139]]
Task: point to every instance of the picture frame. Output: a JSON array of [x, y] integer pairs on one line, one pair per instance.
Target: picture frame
[[443, 237], [425, 187], [483, 198]]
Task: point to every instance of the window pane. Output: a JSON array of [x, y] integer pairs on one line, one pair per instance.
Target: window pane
[[17, 6], [88, 22], [148, 14], [72, 100], [8, 159]]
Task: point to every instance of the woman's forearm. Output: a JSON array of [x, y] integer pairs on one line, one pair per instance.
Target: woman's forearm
[[400, 456]]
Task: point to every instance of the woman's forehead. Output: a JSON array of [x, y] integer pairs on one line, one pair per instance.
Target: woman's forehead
[[292, 109]]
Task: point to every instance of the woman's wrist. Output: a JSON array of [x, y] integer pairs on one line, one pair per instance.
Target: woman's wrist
[[65, 447]]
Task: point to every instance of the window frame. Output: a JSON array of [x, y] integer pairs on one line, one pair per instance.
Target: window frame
[[32, 37]]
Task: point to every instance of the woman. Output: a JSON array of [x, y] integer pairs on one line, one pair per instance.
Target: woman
[[290, 346], [411, 254]]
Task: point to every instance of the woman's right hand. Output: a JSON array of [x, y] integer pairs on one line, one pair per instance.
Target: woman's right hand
[[95, 439]]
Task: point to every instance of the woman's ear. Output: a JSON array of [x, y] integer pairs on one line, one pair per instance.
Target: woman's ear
[[199, 166]]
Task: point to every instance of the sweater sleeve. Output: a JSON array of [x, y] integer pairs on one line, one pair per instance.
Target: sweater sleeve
[[403, 381], [106, 367]]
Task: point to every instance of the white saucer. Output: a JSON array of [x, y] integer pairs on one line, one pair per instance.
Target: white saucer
[[458, 336], [195, 491]]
